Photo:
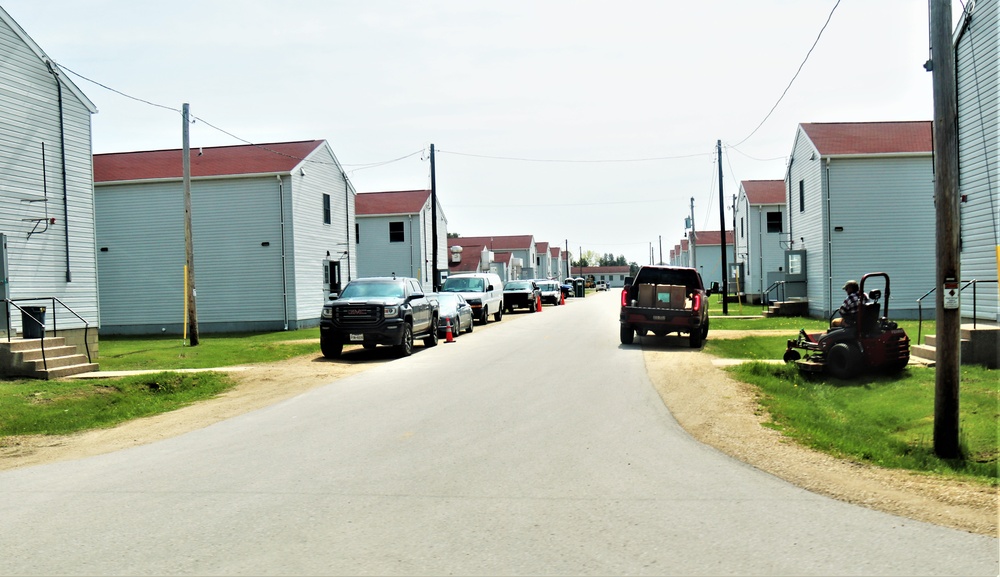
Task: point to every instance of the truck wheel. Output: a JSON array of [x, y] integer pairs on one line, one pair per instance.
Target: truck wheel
[[694, 339], [431, 340], [627, 335], [330, 350], [405, 346], [843, 361], [484, 315], [498, 315]]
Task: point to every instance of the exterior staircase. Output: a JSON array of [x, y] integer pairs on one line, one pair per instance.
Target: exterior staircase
[[978, 346], [23, 358], [788, 309]]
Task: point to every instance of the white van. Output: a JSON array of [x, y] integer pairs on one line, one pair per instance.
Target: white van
[[482, 290]]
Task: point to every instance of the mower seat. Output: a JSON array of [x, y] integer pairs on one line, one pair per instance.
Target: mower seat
[[869, 321]]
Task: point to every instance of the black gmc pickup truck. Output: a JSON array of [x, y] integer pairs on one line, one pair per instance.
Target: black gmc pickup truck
[[664, 300], [378, 311]]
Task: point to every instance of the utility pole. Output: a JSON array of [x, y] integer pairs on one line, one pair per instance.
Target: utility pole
[[567, 257], [722, 235], [692, 239], [191, 296], [661, 248], [948, 275], [435, 281]]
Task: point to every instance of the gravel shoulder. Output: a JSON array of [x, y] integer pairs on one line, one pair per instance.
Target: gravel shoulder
[[712, 407]]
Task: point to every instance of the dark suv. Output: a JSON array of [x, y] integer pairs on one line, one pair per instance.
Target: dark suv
[[378, 311]]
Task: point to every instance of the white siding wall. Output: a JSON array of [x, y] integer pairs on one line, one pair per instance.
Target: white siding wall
[[238, 280], [886, 209], [379, 257], [29, 117], [807, 224], [979, 157], [760, 251], [311, 238]]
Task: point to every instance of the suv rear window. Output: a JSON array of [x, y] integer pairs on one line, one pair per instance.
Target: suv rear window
[[685, 277]]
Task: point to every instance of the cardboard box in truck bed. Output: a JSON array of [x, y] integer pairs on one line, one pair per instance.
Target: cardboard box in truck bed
[[646, 295], [670, 296]]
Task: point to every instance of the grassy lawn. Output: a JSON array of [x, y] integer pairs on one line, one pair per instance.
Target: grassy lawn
[[30, 407], [60, 407], [214, 350], [885, 420], [882, 420]]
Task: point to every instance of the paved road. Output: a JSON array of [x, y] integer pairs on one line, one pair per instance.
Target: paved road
[[537, 446]]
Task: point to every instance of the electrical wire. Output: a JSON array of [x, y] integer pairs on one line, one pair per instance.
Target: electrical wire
[[565, 160], [792, 81], [234, 136]]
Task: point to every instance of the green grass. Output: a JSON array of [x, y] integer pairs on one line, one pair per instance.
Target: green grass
[[213, 350], [59, 407], [29, 407], [882, 420]]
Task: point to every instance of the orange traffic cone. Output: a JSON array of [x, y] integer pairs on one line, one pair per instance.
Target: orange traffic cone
[[562, 297], [538, 305], [448, 337]]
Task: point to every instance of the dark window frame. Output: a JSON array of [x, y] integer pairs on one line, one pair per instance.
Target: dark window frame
[[399, 234], [327, 213], [774, 222]]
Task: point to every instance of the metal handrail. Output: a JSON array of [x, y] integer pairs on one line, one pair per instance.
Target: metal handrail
[[54, 300], [774, 286], [974, 283]]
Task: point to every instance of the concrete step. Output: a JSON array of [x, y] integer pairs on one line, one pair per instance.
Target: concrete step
[[69, 370], [51, 362], [20, 345]]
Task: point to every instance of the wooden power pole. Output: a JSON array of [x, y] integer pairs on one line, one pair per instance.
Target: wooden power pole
[[946, 197], [722, 235], [191, 293], [435, 275]]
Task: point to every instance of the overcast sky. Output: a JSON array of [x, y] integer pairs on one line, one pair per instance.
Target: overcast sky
[[592, 123]]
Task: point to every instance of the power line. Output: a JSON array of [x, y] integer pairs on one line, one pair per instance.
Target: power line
[[818, 36], [234, 136], [576, 161]]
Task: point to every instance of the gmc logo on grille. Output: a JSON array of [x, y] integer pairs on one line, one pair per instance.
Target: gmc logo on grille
[[355, 312]]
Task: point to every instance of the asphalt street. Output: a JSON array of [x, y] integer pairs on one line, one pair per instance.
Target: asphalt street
[[534, 446]]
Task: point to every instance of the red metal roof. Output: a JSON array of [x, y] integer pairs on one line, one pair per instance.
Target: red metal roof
[[469, 261], [541, 247], [274, 158], [556, 252], [764, 191], [396, 202], [521, 242], [712, 237], [844, 138]]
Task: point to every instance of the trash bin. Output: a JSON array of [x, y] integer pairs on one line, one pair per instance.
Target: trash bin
[[581, 286], [33, 322]]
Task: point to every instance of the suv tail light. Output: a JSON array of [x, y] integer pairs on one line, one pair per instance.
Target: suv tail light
[[625, 297], [696, 301]]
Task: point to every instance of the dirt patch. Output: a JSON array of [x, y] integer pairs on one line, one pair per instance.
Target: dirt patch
[[724, 413], [712, 407]]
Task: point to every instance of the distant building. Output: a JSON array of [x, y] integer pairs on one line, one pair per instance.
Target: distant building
[[860, 199], [272, 232], [395, 236], [760, 238]]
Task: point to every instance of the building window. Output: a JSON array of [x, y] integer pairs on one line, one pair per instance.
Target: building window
[[357, 233], [396, 232], [774, 222], [802, 196], [326, 209], [741, 227]]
